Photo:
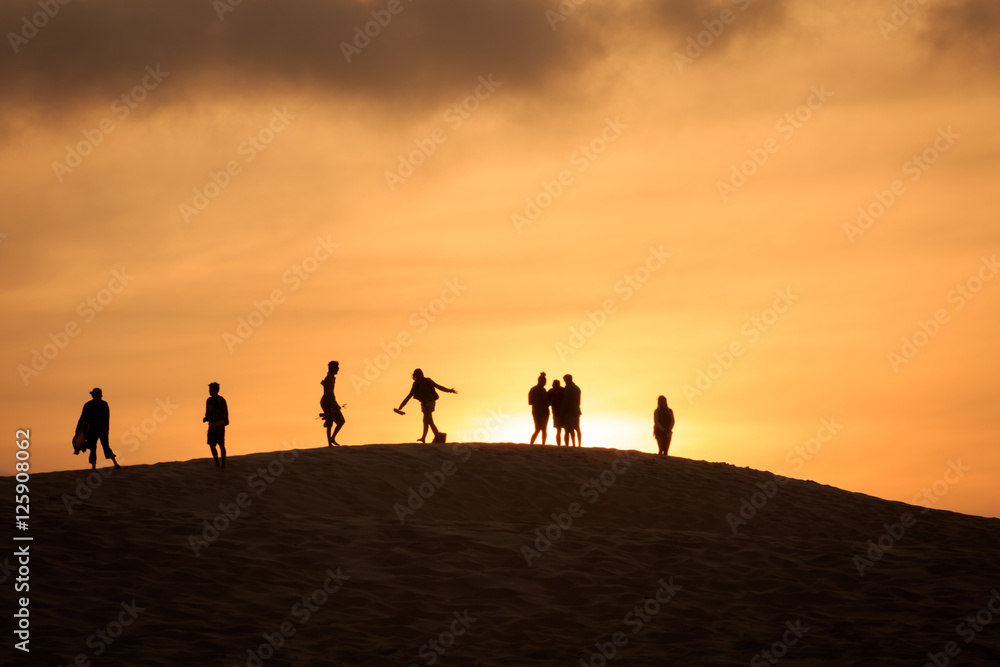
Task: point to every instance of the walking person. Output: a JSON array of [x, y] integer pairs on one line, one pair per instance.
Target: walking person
[[571, 412], [423, 390], [332, 413], [555, 395], [663, 425], [95, 423], [538, 399], [217, 416]]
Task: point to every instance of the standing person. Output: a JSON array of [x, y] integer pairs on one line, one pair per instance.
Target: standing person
[[571, 412], [423, 390], [331, 409], [217, 416], [556, 402], [95, 422], [538, 399], [663, 424]]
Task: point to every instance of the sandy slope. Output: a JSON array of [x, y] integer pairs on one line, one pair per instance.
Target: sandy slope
[[787, 581]]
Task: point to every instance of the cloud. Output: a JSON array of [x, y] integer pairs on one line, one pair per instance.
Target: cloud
[[429, 50], [967, 29]]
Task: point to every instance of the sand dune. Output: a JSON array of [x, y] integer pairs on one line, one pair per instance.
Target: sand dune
[[496, 554]]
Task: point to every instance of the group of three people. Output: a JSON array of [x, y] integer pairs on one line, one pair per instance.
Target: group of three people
[[564, 403]]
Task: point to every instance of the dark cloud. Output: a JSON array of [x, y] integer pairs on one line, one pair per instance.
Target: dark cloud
[[430, 49], [968, 29]]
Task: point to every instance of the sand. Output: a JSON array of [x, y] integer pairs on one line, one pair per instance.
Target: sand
[[651, 565]]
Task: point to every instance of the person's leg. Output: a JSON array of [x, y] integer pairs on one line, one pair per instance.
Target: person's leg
[[215, 454], [533, 436], [579, 437], [329, 434], [339, 419], [108, 454], [222, 450], [92, 446], [666, 442]]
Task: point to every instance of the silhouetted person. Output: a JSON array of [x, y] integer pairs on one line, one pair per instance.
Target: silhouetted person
[[423, 391], [663, 424], [555, 402], [217, 416], [571, 412], [95, 421], [538, 399], [331, 409]]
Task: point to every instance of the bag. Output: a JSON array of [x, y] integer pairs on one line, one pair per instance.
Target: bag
[[79, 440], [440, 438]]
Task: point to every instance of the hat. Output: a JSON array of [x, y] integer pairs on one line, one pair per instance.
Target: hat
[[213, 384], [95, 391]]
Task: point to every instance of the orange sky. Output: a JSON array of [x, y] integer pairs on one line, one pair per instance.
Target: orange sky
[[597, 175]]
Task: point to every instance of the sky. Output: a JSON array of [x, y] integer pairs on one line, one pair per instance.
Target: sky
[[776, 213]]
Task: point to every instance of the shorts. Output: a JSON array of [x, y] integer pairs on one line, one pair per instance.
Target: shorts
[[217, 438], [571, 422], [541, 419], [427, 407]]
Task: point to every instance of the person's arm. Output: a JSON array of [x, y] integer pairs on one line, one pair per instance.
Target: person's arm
[[225, 410], [657, 423], [444, 389], [408, 396]]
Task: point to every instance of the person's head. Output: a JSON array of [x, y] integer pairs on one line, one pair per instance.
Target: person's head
[[213, 388], [418, 374], [568, 378], [96, 393], [541, 379], [333, 367], [555, 383], [661, 402]]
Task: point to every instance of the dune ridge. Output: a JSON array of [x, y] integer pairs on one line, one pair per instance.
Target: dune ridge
[[495, 554]]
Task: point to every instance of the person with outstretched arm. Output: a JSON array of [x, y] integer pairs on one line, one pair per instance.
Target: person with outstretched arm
[[423, 390]]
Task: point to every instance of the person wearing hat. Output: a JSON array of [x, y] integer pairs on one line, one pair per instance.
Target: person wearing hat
[[538, 399], [95, 422], [217, 416], [332, 413]]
